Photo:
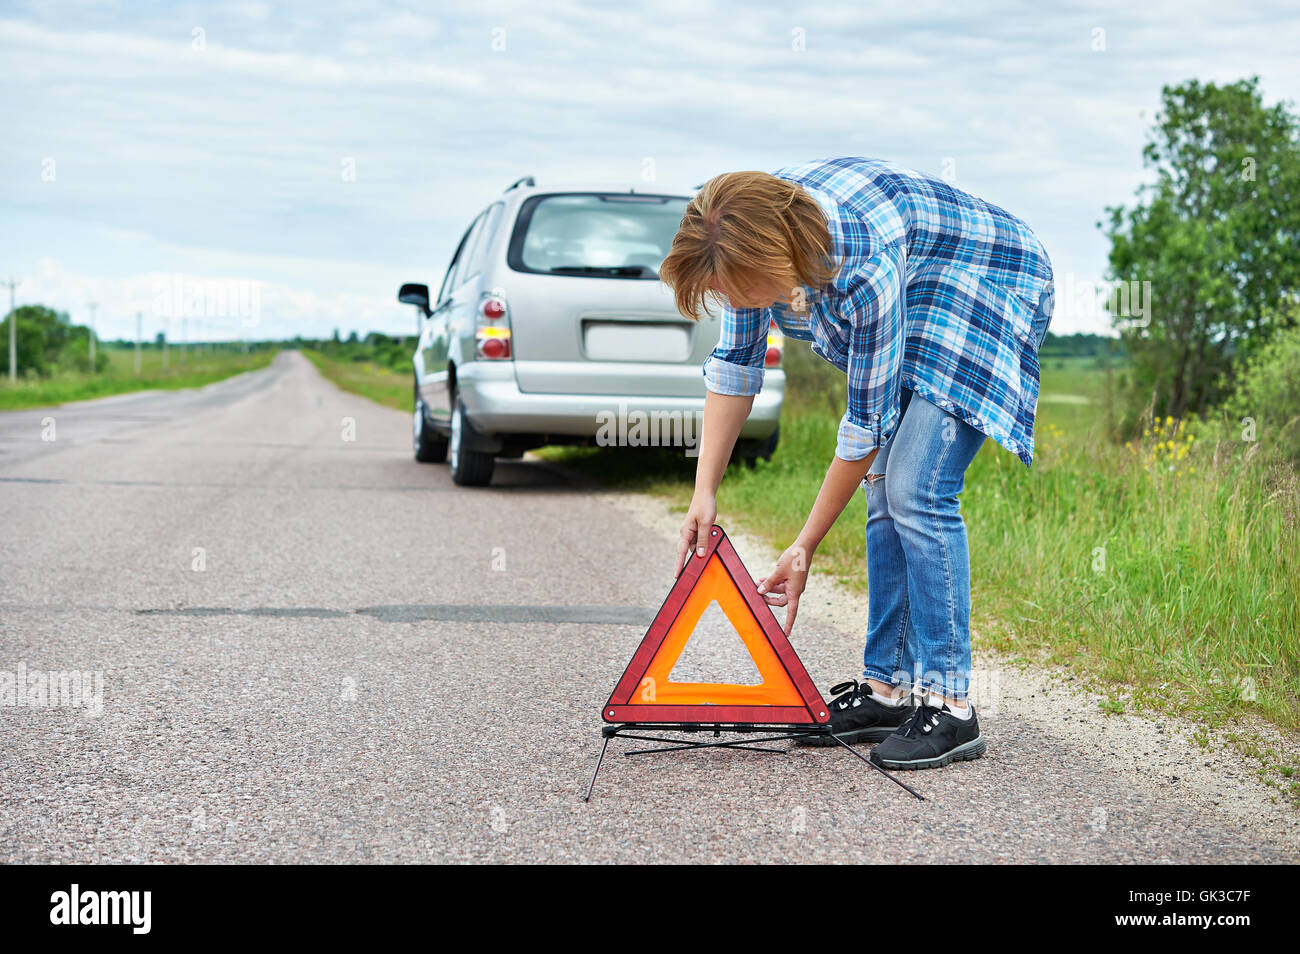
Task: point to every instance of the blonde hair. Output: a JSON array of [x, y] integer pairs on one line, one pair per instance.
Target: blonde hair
[[747, 224]]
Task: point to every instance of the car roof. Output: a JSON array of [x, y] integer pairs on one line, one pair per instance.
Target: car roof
[[635, 188]]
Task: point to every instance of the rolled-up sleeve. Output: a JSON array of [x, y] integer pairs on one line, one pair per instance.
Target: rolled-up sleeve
[[735, 366], [876, 305]]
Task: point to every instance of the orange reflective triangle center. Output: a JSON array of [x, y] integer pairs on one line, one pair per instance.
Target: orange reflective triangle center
[[776, 688], [785, 696]]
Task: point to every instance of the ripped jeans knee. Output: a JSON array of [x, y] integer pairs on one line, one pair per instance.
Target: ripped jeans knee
[[874, 488]]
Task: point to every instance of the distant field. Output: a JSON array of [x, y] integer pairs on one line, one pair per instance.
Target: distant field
[[211, 363], [375, 381]]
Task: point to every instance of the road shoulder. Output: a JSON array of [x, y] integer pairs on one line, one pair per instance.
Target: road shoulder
[[1159, 755]]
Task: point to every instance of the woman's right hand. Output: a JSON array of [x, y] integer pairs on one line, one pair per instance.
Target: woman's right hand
[[695, 529]]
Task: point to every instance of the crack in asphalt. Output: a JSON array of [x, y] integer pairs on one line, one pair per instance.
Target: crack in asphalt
[[445, 612]]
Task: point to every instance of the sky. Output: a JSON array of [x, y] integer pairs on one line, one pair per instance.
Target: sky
[[266, 170]]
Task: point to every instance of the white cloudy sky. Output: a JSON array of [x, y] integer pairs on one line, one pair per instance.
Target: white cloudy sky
[[130, 150]]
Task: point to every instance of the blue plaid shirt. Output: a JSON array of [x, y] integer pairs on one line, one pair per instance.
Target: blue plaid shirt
[[938, 292]]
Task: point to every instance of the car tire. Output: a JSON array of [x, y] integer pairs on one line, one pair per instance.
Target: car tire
[[430, 446], [468, 468], [751, 451]]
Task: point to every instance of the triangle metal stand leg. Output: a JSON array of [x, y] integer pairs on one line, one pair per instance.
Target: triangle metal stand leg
[[878, 768], [592, 783], [782, 733]]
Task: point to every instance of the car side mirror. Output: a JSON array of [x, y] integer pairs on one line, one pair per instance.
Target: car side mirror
[[415, 294]]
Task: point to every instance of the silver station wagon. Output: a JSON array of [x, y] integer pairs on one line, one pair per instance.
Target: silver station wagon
[[551, 327]]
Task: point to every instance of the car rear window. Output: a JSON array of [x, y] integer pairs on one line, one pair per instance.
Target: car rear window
[[605, 235]]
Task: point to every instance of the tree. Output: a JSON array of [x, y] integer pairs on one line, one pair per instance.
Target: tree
[[42, 335], [1217, 235], [47, 342]]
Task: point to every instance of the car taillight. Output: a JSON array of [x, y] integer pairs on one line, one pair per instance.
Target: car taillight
[[493, 343], [492, 329], [775, 342]]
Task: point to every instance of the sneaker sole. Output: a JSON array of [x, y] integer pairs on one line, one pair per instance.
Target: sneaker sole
[[870, 734], [964, 752]]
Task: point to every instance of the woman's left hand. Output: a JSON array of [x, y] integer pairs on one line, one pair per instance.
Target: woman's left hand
[[785, 584]]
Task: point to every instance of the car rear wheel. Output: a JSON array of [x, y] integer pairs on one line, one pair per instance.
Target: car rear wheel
[[469, 468], [430, 446]]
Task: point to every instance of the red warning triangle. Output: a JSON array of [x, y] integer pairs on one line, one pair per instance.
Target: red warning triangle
[[786, 695]]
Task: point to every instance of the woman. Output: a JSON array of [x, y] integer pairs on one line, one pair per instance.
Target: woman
[[934, 303]]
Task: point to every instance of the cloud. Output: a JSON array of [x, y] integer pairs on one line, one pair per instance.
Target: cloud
[[213, 305], [225, 158]]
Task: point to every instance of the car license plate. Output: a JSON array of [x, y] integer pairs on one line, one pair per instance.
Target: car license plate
[[636, 341]]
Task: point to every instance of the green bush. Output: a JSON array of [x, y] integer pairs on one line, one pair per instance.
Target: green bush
[[1268, 392], [75, 355]]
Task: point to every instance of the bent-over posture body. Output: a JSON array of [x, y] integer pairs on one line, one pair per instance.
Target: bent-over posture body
[[934, 303]]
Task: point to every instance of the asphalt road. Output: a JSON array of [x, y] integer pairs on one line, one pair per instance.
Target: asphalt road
[[315, 649]]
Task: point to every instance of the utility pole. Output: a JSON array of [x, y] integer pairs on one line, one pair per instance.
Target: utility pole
[[139, 318], [164, 342], [185, 334], [93, 306], [13, 330]]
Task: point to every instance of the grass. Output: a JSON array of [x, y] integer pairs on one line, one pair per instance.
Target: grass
[[374, 381], [1169, 568], [199, 368]]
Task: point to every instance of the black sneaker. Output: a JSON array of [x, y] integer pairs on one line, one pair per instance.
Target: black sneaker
[[857, 717], [932, 738]]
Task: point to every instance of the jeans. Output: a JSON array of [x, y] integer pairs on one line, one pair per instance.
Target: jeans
[[918, 561]]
